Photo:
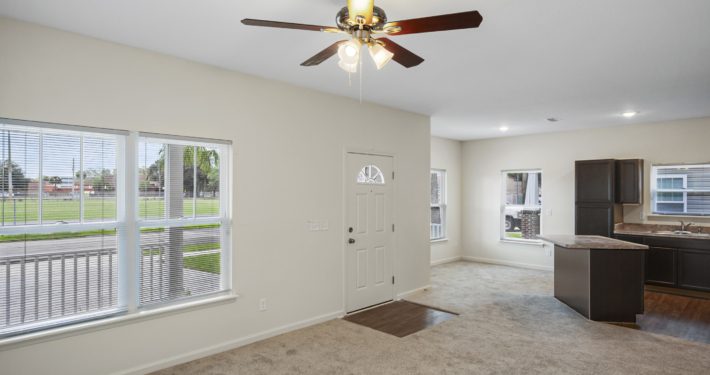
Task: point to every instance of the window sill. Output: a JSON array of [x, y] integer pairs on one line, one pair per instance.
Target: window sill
[[536, 243], [97, 325], [440, 240]]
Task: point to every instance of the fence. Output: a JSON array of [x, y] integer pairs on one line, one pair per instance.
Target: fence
[[45, 286]]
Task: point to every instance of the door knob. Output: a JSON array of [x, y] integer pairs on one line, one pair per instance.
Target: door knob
[[351, 240]]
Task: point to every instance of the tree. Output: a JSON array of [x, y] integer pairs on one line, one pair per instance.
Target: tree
[[207, 170], [55, 180], [102, 181], [19, 182]]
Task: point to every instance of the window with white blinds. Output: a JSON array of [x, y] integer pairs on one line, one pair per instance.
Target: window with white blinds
[[58, 226], [78, 243], [183, 220]]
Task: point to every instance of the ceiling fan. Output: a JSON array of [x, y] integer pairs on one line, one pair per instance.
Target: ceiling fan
[[367, 25]]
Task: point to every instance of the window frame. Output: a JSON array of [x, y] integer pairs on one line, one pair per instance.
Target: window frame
[[654, 190], [682, 190], [127, 225], [223, 218], [442, 205], [503, 198]]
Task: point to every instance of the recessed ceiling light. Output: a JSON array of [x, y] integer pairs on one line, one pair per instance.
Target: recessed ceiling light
[[504, 128], [629, 114]]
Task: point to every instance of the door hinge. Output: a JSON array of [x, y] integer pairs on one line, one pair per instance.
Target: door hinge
[[393, 175], [392, 227], [392, 279]]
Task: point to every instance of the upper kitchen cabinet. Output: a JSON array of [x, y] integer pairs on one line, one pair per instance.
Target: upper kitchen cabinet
[[629, 181], [601, 185], [595, 181]]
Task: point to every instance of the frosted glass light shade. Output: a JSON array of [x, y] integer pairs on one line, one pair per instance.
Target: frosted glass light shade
[[350, 68], [380, 55], [349, 52]]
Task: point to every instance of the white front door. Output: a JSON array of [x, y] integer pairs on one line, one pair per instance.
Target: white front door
[[369, 254]]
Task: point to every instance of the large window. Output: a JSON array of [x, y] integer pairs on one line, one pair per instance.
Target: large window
[[681, 189], [438, 205], [77, 242], [522, 205]]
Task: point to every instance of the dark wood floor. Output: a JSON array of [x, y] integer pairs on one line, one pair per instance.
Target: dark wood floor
[[400, 318], [674, 315]]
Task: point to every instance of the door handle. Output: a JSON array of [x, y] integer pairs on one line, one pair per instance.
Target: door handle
[[351, 241]]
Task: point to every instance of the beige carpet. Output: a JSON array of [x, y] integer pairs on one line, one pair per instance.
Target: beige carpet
[[509, 324]]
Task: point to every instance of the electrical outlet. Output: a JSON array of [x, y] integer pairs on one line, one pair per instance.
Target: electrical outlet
[[262, 304], [548, 251]]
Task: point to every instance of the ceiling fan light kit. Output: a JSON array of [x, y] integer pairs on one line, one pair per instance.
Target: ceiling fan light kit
[[380, 55], [368, 26]]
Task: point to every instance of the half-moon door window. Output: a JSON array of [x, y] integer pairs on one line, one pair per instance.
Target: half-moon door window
[[371, 175]]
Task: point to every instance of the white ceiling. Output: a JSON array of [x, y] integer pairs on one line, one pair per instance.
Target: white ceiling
[[581, 61]]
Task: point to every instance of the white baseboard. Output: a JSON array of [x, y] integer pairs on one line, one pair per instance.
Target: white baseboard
[[228, 345], [446, 260], [410, 292], [508, 263]]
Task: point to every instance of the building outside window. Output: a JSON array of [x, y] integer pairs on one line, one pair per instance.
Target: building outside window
[[438, 205], [522, 205], [681, 189]]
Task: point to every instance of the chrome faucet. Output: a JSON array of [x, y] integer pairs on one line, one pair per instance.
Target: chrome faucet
[[685, 227]]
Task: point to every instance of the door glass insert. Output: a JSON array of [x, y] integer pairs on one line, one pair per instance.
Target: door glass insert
[[370, 175]]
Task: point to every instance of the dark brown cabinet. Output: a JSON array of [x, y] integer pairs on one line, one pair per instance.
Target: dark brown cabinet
[[595, 219], [594, 197], [601, 186], [661, 266], [694, 269], [675, 262], [595, 180], [629, 181]]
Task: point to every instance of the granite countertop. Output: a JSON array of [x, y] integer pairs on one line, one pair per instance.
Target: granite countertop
[[591, 242], [657, 230]]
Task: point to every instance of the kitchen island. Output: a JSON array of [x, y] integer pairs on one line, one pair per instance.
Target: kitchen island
[[599, 277]]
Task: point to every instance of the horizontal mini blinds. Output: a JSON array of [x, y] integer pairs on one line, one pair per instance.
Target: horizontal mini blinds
[[55, 263], [682, 189], [182, 219]]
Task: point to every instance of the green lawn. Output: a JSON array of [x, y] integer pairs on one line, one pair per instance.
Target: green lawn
[[513, 235], [95, 209], [206, 263]]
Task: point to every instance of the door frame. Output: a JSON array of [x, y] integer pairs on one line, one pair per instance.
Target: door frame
[[344, 218]]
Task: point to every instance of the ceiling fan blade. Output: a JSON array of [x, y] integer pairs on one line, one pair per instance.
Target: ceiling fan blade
[[288, 25], [464, 20], [324, 54], [402, 55]]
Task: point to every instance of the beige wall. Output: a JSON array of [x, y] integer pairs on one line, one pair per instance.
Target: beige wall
[[289, 146], [446, 154], [483, 161]]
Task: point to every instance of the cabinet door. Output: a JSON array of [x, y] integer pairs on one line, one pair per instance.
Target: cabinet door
[[661, 266], [594, 219], [694, 269], [594, 181], [629, 181]]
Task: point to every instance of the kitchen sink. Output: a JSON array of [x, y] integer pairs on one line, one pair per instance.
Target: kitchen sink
[[681, 233]]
